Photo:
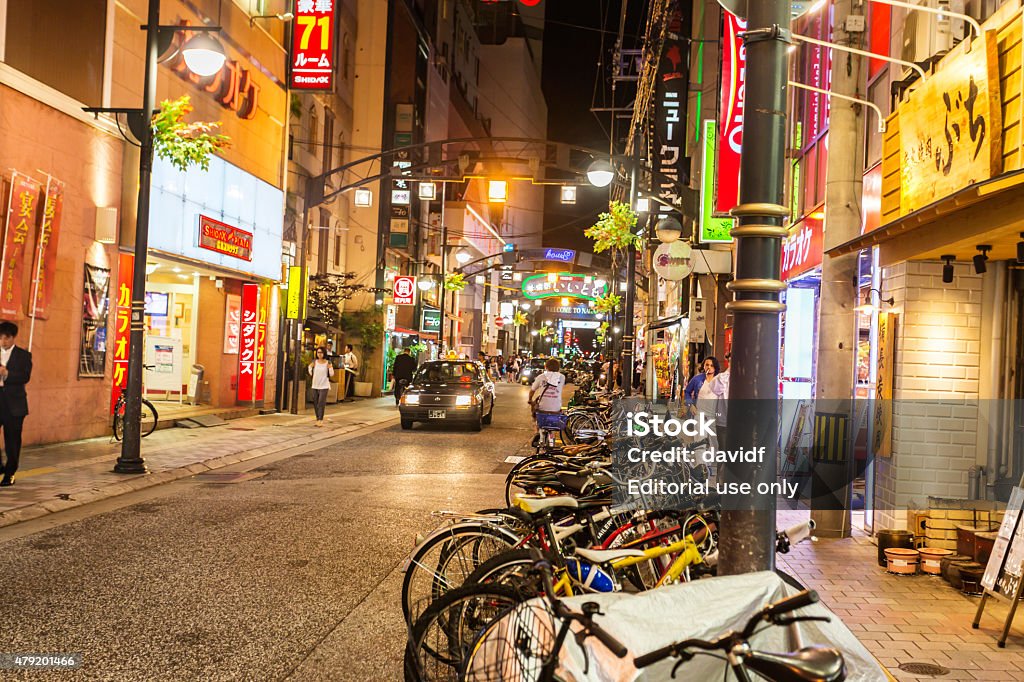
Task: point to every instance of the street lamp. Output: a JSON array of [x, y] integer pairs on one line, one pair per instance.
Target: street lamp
[[463, 256], [424, 284], [600, 173], [204, 56]]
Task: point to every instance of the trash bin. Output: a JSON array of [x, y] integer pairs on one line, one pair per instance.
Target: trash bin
[[195, 381]]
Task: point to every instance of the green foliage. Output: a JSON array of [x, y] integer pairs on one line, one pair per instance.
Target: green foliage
[[607, 304], [546, 331], [614, 230], [366, 325], [389, 359], [185, 144], [295, 106], [519, 319], [602, 333], [417, 348], [455, 281], [326, 292]]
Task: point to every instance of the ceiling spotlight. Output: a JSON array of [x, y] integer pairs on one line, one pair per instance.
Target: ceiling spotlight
[[981, 258], [947, 269], [600, 173]]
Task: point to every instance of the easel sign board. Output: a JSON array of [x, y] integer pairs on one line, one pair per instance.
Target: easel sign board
[[1002, 578]]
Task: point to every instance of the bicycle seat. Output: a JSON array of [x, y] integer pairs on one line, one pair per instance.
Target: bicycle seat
[[810, 664], [600, 556], [534, 504]]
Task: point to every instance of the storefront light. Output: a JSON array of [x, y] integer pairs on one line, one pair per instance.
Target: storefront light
[[497, 191], [363, 198], [553, 277], [463, 256], [565, 302], [568, 194]]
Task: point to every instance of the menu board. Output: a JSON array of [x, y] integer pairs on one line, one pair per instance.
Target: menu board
[[1004, 577]]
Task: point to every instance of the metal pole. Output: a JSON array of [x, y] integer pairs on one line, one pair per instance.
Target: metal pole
[[748, 520], [627, 324], [130, 460], [300, 323]]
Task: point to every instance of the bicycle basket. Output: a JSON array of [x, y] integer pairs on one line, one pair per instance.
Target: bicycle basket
[[550, 421]]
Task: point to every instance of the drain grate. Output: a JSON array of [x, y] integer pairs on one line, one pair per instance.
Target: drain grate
[[929, 669]]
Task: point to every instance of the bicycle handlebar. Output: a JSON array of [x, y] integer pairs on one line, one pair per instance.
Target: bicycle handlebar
[[725, 642]]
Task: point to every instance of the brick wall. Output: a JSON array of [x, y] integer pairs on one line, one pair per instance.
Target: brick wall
[[935, 415]]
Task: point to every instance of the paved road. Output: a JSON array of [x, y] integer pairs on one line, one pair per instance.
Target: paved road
[[291, 575]]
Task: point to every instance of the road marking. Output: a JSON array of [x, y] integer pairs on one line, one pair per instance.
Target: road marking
[[512, 459], [36, 472]]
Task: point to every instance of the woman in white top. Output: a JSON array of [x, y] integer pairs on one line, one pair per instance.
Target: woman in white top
[[707, 397], [321, 370]]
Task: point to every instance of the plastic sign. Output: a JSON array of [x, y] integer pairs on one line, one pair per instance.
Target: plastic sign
[[730, 141], [712, 228], [251, 345], [565, 284], [802, 249], [122, 326], [22, 209], [296, 308], [223, 238], [404, 290], [672, 261], [312, 55], [430, 320], [560, 255]]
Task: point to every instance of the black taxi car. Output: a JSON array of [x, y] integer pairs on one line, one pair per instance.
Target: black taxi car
[[451, 391]]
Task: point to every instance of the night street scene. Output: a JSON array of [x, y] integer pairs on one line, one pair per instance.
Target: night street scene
[[511, 340]]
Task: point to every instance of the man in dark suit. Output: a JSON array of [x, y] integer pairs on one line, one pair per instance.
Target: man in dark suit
[[402, 371], [15, 372]]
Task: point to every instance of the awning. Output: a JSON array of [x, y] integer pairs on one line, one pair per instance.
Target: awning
[[667, 322], [405, 330], [953, 225]]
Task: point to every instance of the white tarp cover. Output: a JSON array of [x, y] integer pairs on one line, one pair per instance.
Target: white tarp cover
[[702, 609]]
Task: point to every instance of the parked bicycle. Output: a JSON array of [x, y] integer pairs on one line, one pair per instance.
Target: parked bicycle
[[150, 417]]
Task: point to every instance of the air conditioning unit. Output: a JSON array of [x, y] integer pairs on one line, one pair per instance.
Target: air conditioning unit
[[927, 35]]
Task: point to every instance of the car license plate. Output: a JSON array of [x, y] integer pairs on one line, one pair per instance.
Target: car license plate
[[438, 414]]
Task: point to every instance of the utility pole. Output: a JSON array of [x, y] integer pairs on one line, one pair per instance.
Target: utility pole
[[837, 321], [627, 323], [297, 368], [748, 520]]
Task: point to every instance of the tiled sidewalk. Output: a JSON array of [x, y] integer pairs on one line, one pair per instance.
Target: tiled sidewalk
[[907, 619], [57, 477]]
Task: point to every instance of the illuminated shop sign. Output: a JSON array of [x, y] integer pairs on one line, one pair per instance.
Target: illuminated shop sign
[[223, 238], [311, 59], [730, 138], [564, 284]]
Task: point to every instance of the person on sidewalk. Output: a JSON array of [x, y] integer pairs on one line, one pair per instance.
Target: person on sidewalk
[[720, 388], [321, 370], [15, 372], [402, 371], [351, 361]]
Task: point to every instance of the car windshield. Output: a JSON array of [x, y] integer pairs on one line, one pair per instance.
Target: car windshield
[[448, 371]]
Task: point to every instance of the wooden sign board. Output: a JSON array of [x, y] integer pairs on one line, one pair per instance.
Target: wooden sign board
[[1005, 568], [881, 427], [951, 127]]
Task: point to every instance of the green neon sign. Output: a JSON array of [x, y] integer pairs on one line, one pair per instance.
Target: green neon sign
[[566, 284], [712, 228]]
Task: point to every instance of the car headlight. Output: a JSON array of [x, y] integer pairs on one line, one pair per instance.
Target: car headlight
[[411, 398], [464, 400]]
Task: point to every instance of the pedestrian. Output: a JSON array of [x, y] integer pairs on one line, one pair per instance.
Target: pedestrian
[[15, 372], [720, 388], [321, 370], [696, 382], [402, 371], [351, 363], [707, 400]]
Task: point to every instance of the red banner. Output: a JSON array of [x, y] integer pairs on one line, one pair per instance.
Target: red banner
[[22, 209], [802, 249], [261, 341], [44, 266], [730, 117], [223, 238], [312, 65], [122, 325], [251, 341]]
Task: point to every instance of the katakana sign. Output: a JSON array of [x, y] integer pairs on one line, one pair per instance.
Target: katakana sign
[[252, 342], [122, 326], [802, 249]]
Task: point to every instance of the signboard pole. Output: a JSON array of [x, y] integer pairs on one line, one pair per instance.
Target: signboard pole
[[297, 368]]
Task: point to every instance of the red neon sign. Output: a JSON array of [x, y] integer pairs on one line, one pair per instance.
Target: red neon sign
[[223, 238], [802, 249], [730, 123], [252, 344], [312, 57], [122, 326]]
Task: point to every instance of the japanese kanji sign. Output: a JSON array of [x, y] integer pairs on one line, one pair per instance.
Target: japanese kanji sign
[[252, 344], [312, 55], [670, 111], [22, 209], [44, 265], [802, 249], [951, 128], [122, 325]]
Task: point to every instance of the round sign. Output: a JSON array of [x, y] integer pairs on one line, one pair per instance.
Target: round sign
[[672, 261], [499, 322]]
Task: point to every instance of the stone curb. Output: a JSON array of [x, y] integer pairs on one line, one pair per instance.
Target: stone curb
[[142, 481]]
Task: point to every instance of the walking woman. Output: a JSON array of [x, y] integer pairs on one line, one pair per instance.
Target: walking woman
[[321, 370]]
